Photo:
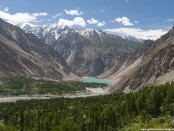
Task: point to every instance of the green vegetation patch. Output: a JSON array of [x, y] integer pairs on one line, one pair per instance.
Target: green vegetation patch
[[25, 85], [152, 107]]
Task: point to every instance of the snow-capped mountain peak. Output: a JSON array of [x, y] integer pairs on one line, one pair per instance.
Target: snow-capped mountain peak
[[54, 30]]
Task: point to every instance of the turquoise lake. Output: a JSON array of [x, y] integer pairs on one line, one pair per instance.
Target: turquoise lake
[[98, 80]]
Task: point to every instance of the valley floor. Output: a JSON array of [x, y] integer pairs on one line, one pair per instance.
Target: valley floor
[[87, 93]]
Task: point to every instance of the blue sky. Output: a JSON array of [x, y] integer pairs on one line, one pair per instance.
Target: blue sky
[[147, 19]]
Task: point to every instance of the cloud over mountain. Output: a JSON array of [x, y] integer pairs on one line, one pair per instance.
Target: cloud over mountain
[[138, 33], [78, 21], [124, 21], [93, 21], [21, 18]]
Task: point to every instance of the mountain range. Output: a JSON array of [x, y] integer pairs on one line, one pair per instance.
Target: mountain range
[[88, 52], [62, 52]]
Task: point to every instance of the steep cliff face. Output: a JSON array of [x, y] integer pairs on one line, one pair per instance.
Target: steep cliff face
[[23, 54], [88, 52], [156, 66]]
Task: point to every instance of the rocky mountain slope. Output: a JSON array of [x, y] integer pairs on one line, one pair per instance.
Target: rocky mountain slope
[[23, 54], [126, 60], [88, 52], [156, 66]]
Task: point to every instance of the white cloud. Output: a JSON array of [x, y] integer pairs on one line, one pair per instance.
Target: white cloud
[[124, 20], [57, 15], [92, 21], [99, 24], [40, 14], [73, 12], [127, 1], [6, 9], [138, 33], [20, 18], [76, 21]]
